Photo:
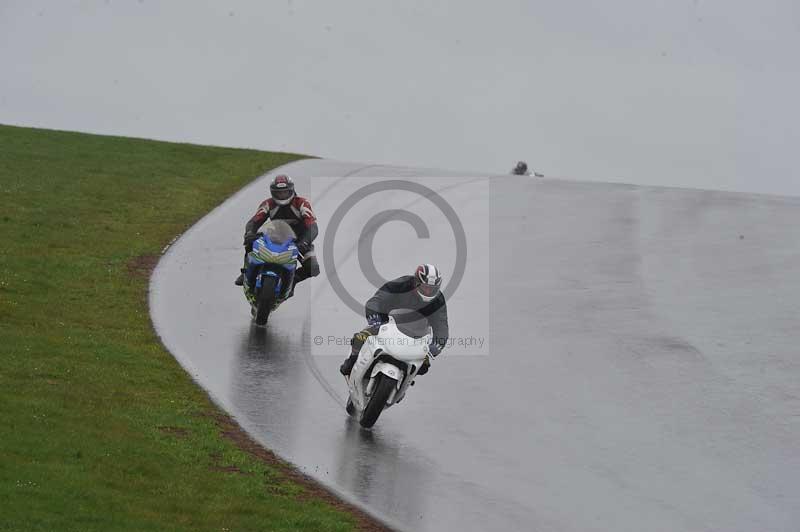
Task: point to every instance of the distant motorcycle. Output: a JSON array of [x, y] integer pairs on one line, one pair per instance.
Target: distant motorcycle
[[271, 265], [386, 367]]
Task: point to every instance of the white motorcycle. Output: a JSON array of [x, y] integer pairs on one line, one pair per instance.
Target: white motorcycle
[[386, 367]]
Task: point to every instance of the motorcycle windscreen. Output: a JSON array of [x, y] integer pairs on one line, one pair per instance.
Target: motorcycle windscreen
[[410, 322], [278, 231]]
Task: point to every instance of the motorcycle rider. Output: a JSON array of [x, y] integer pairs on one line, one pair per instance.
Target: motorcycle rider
[[420, 292], [521, 169], [284, 204]]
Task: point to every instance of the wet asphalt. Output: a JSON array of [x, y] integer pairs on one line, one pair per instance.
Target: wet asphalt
[[638, 369]]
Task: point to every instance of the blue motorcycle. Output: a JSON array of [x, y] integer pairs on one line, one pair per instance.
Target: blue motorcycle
[[271, 265]]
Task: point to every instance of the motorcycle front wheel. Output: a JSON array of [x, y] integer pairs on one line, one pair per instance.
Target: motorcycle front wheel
[[380, 394], [266, 298]]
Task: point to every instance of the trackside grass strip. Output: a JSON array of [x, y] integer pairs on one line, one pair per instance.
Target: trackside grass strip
[[100, 428]]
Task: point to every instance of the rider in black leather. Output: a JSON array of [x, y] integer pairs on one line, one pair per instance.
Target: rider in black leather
[[419, 292]]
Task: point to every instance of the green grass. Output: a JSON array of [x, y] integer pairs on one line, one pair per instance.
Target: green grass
[[100, 428]]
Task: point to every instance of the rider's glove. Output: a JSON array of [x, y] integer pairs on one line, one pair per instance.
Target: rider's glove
[[376, 319], [303, 247], [249, 238], [434, 349]]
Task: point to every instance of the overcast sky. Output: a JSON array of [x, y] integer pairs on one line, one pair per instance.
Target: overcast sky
[[700, 93]]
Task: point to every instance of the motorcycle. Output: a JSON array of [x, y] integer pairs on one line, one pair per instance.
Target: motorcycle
[[386, 366], [270, 271]]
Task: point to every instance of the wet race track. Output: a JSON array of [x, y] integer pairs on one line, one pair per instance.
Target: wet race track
[[623, 358]]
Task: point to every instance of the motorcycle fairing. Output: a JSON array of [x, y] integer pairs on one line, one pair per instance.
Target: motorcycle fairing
[[277, 260], [266, 251], [390, 352]]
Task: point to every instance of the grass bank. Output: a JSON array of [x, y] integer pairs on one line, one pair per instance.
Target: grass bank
[[100, 428]]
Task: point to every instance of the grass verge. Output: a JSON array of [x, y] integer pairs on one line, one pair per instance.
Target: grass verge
[[100, 428]]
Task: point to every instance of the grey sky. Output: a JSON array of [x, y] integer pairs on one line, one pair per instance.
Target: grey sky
[[700, 93]]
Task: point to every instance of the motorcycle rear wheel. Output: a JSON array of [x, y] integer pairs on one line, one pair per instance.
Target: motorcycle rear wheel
[[380, 394], [266, 299]]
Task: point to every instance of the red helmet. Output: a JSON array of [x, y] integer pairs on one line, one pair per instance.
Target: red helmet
[[427, 281], [282, 189]]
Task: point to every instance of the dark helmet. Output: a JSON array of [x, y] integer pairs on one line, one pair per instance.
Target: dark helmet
[[427, 281], [521, 168], [282, 189]]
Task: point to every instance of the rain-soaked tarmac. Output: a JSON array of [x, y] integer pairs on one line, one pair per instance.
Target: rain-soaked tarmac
[[639, 369]]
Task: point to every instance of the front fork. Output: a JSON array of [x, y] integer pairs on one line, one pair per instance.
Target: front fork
[[390, 370], [254, 276], [283, 282]]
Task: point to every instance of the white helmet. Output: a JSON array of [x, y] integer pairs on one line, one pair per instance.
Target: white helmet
[[282, 189], [427, 281]]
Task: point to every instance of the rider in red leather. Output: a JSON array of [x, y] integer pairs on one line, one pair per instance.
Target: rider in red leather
[[284, 204]]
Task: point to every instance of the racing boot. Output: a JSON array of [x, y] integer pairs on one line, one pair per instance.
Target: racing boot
[[240, 280], [347, 365]]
